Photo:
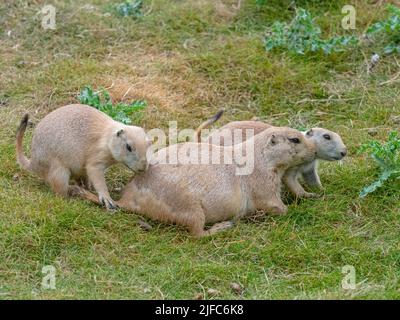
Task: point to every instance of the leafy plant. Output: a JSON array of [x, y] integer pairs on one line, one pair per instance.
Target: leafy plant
[[121, 112], [302, 35], [387, 156], [390, 28], [130, 8]]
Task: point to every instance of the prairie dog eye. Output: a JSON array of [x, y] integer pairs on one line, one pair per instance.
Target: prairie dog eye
[[327, 136], [128, 147], [294, 140]]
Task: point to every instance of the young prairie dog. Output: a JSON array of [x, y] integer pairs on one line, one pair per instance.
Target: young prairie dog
[[329, 146], [192, 195], [77, 141]]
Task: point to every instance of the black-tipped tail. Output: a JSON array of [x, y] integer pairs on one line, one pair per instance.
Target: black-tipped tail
[[207, 123], [22, 160], [217, 116]]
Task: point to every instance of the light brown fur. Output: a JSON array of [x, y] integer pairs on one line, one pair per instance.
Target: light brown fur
[[78, 141], [195, 194]]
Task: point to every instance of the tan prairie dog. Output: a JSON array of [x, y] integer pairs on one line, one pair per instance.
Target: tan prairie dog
[[329, 146], [77, 141], [193, 195]]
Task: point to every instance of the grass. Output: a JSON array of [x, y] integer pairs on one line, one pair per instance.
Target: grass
[[187, 60]]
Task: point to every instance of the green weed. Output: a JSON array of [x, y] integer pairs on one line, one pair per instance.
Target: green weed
[[121, 112], [302, 36], [389, 30], [387, 156], [130, 9]]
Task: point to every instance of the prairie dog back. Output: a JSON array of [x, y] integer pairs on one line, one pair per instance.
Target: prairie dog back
[[226, 135], [66, 135]]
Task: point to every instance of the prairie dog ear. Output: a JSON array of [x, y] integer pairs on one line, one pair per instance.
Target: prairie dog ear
[[120, 132], [310, 133]]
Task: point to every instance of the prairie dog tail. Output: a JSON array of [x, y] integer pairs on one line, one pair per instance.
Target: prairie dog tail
[[22, 160], [207, 123]]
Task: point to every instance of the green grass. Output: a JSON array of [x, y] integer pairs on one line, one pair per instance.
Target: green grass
[[187, 60]]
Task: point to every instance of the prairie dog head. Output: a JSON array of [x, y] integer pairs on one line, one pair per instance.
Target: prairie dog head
[[128, 145], [288, 147], [328, 144]]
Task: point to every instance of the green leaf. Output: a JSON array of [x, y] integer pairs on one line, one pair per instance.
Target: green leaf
[[121, 112], [377, 184], [393, 9], [130, 8], [382, 163], [390, 48], [377, 27], [388, 30]]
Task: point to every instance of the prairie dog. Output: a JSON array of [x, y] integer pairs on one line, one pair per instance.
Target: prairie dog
[[78, 141], [195, 194], [329, 146]]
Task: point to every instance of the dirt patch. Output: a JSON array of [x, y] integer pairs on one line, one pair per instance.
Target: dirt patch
[[224, 10], [171, 88], [144, 77]]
